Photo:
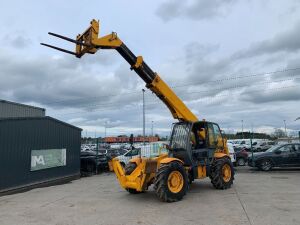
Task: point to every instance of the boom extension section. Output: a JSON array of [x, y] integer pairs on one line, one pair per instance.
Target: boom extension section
[[89, 42]]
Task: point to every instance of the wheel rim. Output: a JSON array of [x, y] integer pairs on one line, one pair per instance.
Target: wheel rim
[[175, 181], [241, 162], [266, 165], [226, 172]]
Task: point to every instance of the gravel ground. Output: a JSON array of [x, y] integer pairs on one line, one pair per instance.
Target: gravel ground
[[256, 198]]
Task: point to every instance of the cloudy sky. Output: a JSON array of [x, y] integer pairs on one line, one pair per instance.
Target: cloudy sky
[[228, 60]]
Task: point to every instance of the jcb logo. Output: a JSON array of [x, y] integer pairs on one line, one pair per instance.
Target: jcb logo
[[37, 160]]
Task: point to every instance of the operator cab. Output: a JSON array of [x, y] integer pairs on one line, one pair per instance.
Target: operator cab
[[195, 143]]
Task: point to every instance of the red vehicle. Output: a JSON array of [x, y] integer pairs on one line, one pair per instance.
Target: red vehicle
[[241, 157]]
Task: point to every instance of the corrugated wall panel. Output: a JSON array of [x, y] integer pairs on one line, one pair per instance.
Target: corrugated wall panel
[[11, 110], [19, 136]]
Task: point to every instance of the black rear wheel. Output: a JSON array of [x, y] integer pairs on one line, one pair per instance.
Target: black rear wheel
[[222, 173], [171, 182], [265, 165]]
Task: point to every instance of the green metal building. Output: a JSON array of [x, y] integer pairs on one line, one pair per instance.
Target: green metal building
[[37, 151]]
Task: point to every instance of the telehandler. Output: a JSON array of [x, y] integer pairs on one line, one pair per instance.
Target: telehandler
[[197, 149]]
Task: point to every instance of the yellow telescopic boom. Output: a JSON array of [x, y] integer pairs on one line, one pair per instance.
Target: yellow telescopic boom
[[90, 42]]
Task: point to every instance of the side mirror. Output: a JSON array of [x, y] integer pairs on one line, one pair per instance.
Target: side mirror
[[277, 151]]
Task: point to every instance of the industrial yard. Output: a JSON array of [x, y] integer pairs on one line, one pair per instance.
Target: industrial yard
[[256, 198], [150, 112]]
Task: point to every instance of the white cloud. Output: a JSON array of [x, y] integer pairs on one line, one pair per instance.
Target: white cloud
[[209, 64]]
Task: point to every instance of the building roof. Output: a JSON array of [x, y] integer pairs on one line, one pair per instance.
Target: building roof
[[39, 118], [19, 104]]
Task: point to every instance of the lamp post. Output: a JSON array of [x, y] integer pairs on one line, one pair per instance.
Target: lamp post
[[86, 137], [143, 90], [152, 128], [285, 128], [243, 129], [105, 131]]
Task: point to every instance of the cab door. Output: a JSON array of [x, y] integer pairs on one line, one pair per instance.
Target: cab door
[[215, 139], [180, 142]]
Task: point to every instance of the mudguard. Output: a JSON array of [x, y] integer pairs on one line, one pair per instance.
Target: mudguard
[[220, 155], [170, 159]]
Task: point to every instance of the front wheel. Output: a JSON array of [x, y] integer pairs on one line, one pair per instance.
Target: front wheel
[[222, 173], [241, 162], [171, 182], [265, 165]]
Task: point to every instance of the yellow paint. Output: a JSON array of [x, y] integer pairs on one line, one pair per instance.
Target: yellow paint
[[175, 181], [170, 159], [226, 172], [110, 166], [201, 172], [138, 179], [90, 37], [178, 109], [136, 160], [139, 62], [220, 155]]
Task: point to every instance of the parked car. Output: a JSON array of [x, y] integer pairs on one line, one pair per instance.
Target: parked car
[[93, 162], [133, 153], [263, 146], [85, 148], [241, 157], [231, 153], [102, 151], [148, 151], [277, 156], [246, 144], [238, 143]]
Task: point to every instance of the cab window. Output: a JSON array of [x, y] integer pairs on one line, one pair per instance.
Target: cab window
[[213, 135]]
